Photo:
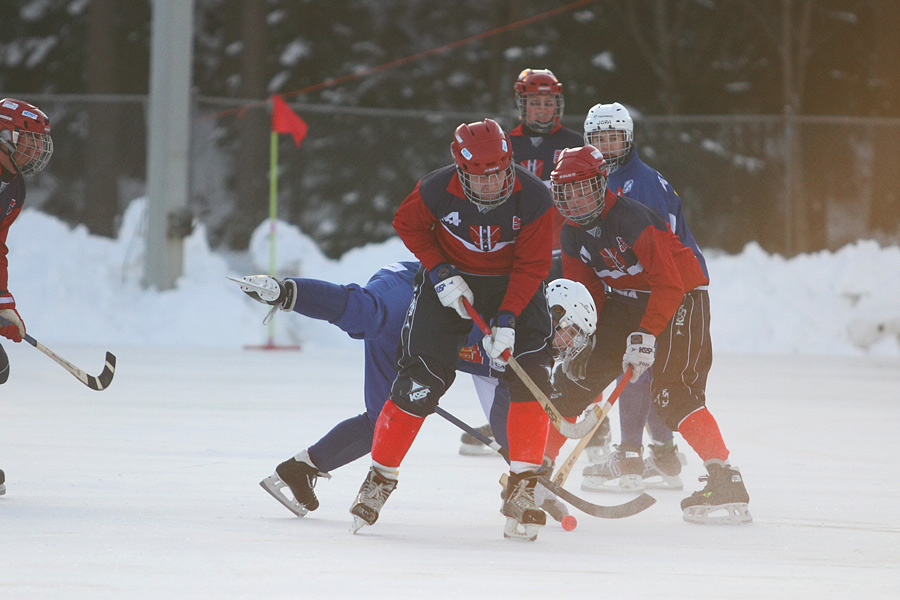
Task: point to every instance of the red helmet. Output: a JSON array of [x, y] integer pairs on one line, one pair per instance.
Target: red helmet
[[537, 85], [25, 135], [483, 156], [578, 184]]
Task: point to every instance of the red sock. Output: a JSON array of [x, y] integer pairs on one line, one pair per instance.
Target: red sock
[[395, 432], [526, 428], [555, 440], [700, 430]]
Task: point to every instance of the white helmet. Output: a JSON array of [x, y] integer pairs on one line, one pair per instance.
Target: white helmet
[[574, 317], [610, 117]]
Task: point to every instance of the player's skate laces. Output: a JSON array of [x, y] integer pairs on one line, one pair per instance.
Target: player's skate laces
[[622, 471], [523, 517], [372, 495], [299, 475], [723, 500], [470, 446], [598, 448], [662, 467]]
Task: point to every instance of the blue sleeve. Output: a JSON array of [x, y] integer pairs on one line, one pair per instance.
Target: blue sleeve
[[361, 312]]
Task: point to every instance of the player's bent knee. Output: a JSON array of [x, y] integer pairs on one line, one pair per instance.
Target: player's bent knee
[[417, 391], [672, 411]]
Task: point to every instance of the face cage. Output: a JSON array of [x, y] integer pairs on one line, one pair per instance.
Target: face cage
[[535, 126], [500, 190], [33, 151], [605, 148], [568, 340], [580, 201]]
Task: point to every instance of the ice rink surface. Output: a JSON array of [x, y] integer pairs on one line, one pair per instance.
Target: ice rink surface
[[150, 489]]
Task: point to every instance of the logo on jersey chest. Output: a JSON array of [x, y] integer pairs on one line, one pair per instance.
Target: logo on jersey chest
[[486, 237], [534, 165], [623, 245], [612, 259], [12, 206]]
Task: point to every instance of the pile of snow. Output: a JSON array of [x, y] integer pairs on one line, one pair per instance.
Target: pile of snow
[[72, 287]]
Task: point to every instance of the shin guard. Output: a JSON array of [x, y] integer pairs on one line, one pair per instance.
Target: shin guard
[[700, 430], [395, 432]]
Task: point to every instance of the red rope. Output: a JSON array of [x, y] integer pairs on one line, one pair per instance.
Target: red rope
[[407, 59]]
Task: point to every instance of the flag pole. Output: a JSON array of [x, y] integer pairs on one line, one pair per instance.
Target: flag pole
[[273, 216]]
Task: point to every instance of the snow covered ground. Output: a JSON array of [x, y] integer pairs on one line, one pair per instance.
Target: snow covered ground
[[149, 489]]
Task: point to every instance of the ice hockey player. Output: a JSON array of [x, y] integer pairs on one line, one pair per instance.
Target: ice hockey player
[[25, 149], [536, 144], [482, 229], [375, 313], [610, 129], [657, 305]]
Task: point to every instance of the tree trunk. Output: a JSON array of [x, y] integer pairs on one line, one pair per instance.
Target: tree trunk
[[100, 206]]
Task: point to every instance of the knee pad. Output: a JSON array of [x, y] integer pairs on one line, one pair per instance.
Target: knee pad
[[672, 409], [417, 389]]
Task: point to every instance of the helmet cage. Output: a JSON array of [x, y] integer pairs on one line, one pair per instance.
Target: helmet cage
[[25, 135], [610, 118], [574, 317], [580, 201], [522, 99], [615, 157], [33, 151], [539, 83], [488, 190]]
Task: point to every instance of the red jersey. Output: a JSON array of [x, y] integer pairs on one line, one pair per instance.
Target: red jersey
[[439, 225]]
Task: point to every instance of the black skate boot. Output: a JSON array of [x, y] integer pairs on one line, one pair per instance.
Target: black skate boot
[[470, 446], [622, 471], [372, 495], [2, 482], [662, 467], [523, 517], [723, 500], [300, 476], [598, 449]]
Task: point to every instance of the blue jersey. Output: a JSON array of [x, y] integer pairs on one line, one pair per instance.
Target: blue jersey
[[641, 182]]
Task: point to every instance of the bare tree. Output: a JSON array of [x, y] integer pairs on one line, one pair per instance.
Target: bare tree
[[100, 204]]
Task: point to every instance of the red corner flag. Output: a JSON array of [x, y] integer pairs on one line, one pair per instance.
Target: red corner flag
[[285, 120]]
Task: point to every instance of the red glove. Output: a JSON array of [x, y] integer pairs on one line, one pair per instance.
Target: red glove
[[16, 328]]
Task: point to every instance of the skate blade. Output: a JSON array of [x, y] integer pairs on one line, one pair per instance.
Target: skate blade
[[513, 530], [627, 484], [475, 450], [2, 488], [275, 487], [357, 524], [736, 513], [663, 482]]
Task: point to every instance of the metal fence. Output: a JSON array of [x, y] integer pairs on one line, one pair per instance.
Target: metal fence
[[790, 183]]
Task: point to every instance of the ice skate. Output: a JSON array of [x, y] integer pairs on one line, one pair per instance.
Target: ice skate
[[2, 482], [723, 500], [523, 517], [662, 467], [470, 446], [598, 449], [299, 476], [370, 499], [622, 471]]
